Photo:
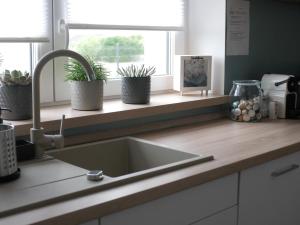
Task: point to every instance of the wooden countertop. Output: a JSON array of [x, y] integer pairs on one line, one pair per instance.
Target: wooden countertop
[[235, 146]]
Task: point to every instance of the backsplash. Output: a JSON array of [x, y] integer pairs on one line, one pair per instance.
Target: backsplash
[[274, 43]]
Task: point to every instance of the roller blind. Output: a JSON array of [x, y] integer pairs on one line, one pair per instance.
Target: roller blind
[[24, 20], [126, 14]]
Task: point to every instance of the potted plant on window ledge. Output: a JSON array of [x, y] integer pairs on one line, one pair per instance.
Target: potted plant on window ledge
[[16, 95], [136, 84], [85, 95]]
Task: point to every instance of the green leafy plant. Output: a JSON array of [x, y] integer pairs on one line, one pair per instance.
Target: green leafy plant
[[136, 71], [15, 77], [76, 72]]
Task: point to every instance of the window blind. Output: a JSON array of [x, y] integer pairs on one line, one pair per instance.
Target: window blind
[[24, 20], [126, 14]]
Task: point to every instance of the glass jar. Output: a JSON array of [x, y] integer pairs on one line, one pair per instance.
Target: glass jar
[[245, 101]]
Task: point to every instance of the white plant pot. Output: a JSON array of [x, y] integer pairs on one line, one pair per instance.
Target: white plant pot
[[86, 95]]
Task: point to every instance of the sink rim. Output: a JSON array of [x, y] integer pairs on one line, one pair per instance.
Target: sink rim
[[146, 173], [118, 139]]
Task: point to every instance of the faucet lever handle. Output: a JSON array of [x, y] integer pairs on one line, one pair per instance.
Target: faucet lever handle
[[61, 130]]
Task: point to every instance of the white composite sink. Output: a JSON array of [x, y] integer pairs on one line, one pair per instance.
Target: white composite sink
[[62, 176], [127, 157]]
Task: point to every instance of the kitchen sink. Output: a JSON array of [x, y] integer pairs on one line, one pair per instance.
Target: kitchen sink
[[127, 156], [62, 174]]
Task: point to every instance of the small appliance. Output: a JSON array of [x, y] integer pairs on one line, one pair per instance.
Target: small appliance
[[285, 91], [8, 158]]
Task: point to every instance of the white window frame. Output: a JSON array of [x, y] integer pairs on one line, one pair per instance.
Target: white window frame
[[36, 51], [50, 93]]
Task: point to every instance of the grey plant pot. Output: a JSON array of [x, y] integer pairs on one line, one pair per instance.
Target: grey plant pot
[[86, 95], [18, 99], [136, 90]]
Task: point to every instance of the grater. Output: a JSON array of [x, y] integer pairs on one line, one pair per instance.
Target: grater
[[8, 157]]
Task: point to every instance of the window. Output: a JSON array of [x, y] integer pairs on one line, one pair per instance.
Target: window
[[25, 36], [125, 32], [118, 33], [119, 48], [136, 14], [24, 21]]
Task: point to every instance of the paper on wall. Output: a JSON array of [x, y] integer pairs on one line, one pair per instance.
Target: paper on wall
[[238, 27]]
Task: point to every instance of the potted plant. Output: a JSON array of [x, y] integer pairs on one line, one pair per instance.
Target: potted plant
[[136, 83], [85, 95], [16, 95]]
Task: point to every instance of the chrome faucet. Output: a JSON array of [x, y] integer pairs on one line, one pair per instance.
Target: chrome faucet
[[37, 136]]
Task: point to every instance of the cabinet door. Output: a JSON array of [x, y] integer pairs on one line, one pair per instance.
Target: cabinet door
[[270, 193], [227, 217], [182, 208]]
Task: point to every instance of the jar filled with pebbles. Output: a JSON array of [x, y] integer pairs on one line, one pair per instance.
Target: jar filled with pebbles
[[245, 102]]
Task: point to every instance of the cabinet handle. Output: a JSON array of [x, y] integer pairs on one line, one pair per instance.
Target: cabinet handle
[[284, 170]]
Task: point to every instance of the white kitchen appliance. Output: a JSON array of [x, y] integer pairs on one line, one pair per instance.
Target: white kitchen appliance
[[279, 88]]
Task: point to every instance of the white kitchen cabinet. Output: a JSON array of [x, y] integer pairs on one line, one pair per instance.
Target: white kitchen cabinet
[[226, 217], [270, 193], [181, 208]]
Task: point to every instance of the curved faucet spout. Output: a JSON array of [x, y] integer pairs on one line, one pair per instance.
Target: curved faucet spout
[[37, 135], [37, 73]]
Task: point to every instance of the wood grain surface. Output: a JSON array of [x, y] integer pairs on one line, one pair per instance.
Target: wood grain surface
[[115, 110], [235, 146]]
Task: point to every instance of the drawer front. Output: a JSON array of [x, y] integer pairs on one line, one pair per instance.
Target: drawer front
[[270, 193], [183, 207], [226, 217]]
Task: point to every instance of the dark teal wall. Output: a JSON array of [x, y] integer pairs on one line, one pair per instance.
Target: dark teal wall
[[274, 43]]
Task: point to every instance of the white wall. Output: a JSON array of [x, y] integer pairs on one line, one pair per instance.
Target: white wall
[[206, 35]]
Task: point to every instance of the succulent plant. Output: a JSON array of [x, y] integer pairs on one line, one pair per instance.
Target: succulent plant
[[15, 77], [136, 71]]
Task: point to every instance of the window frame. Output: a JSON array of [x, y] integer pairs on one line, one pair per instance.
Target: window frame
[[38, 47], [51, 94]]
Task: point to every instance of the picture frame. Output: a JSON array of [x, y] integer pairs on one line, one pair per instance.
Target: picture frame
[[192, 73]]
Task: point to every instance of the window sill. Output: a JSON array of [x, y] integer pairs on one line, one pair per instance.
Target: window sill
[[115, 110]]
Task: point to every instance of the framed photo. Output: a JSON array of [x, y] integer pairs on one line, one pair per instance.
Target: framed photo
[[192, 73]]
